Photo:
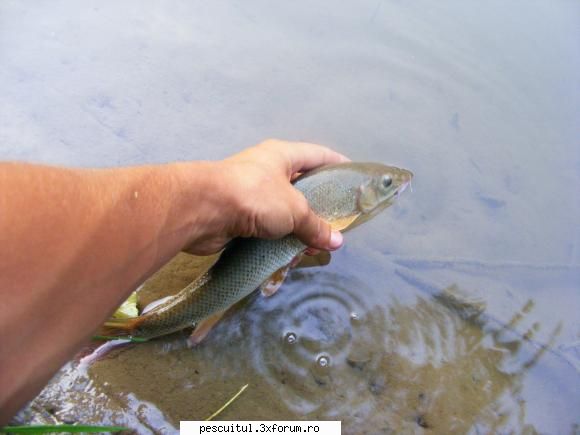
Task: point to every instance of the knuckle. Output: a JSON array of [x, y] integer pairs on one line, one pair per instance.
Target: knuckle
[[245, 215]]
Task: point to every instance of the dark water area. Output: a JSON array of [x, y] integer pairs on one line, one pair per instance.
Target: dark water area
[[454, 311]]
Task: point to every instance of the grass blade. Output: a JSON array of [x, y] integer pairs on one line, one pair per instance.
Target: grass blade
[[228, 403]]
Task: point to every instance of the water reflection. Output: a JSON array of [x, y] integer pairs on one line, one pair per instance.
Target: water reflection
[[455, 369], [437, 363], [330, 345]]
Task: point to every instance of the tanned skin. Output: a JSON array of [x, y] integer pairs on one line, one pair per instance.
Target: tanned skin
[[75, 242]]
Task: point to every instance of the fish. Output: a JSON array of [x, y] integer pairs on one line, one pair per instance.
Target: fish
[[345, 195]]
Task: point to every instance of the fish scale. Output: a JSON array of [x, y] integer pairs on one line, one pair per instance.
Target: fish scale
[[334, 192], [239, 271]]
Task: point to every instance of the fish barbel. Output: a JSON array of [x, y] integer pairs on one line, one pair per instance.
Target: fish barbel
[[345, 195]]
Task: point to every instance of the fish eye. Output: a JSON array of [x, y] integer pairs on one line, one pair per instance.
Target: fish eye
[[386, 181]]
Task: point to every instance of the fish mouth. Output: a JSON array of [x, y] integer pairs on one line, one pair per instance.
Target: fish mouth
[[404, 180], [406, 176]]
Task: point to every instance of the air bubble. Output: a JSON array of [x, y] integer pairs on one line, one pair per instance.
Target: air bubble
[[290, 338], [323, 361], [354, 316]]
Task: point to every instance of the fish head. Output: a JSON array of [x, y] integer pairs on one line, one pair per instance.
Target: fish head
[[380, 189], [348, 194], [382, 186]]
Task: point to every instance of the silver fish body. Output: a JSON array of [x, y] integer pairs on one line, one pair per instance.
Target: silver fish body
[[344, 195]]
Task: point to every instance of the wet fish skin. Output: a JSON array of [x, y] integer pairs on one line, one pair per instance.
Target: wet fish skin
[[345, 195]]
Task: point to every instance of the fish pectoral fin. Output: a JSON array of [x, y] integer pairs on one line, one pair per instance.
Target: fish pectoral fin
[[343, 223], [321, 259], [202, 328], [272, 284]]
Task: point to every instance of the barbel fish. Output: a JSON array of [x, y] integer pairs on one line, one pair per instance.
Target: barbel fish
[[345, 195]]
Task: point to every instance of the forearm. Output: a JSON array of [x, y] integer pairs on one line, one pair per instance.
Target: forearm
[[74, 243]]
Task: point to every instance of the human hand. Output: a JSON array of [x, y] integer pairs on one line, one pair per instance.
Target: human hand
[[255, 198]]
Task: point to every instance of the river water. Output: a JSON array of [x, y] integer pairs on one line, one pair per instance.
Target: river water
[[454, 311]]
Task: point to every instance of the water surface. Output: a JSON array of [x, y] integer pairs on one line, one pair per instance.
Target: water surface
[[454, 311]]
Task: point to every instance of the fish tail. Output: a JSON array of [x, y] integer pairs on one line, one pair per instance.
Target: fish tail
[[120, 327]]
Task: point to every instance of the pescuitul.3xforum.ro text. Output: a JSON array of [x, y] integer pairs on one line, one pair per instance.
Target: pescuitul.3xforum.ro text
[[258, 428]]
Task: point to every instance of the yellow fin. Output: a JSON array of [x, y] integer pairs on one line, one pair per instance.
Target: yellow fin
[[343, 223]]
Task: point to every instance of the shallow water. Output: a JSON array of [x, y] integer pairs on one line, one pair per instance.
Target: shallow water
[[454, 311]]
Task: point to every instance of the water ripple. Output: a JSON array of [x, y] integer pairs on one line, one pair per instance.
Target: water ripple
[[314, 340]]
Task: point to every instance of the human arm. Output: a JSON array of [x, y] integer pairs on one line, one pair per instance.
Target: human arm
[[75, 242]]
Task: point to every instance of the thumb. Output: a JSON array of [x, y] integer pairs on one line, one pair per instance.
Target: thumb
[[315, 232]]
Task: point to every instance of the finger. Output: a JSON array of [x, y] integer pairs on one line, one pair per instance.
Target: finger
[[314, 231], [304, 156]]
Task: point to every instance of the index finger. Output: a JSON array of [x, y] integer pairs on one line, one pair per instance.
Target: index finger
[[303, 156]]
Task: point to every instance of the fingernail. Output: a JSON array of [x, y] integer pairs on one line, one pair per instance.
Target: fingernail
[[336, 240]]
